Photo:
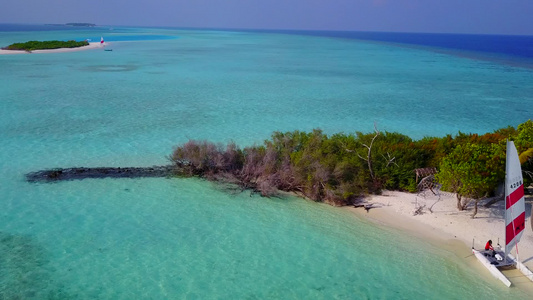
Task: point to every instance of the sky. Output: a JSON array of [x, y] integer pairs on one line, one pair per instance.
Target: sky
[[436, 16]]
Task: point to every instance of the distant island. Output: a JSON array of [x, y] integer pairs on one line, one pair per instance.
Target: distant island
[[81, 24], [45, 45], [74, 24]]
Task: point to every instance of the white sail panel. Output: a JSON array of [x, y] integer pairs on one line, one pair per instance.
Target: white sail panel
[[514, 199]]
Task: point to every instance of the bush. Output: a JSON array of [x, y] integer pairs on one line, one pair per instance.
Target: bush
[[339, 168], [37, 45]]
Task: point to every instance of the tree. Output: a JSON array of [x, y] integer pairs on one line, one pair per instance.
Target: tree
[[339, 168], [473, 171], [368, 158]]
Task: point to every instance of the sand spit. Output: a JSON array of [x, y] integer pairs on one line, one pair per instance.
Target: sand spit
[[441, 224], [60, 50]]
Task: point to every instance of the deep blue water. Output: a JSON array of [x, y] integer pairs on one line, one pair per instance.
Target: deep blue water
[[508, 45], [516, 50], [513, 45]]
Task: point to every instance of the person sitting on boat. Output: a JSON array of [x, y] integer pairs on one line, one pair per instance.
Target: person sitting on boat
[[488, 247]]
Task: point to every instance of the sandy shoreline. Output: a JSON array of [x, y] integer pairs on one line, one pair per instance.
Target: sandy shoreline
[[447, 228], [60, 50]]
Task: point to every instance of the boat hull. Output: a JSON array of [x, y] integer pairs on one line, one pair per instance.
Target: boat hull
[[492, 268], [522, 268]]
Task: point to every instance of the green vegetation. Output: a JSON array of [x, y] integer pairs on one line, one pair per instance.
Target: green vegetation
[[37, 45], [339, 168]]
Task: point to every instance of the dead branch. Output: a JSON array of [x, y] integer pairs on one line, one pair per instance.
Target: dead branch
[[419, 210], [368, 159], [390, 160]]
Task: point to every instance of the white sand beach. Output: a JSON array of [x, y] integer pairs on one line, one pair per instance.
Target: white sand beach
[[60, 50], [446, 227]]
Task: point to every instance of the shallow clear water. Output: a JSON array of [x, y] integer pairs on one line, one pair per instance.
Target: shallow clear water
[[155, 238], [171, 238]]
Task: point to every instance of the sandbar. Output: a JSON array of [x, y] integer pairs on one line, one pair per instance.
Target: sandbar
[[60, 50]]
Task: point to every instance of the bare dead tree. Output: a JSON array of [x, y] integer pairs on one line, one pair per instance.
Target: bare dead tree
[[430, 208], [427, 183], [368, 158], [389, 159]]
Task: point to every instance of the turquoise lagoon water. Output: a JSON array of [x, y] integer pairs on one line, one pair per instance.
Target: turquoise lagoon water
[[187, 238]]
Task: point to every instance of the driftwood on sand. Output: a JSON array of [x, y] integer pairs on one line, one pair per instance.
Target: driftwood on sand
[[366, 205]]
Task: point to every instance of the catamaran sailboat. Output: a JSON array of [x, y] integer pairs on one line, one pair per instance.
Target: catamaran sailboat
[[103, 44], [515, 219]]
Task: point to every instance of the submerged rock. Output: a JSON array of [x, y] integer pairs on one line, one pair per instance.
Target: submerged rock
[[99, 172]]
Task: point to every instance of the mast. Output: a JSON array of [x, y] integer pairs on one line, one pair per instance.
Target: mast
[[515, 212]]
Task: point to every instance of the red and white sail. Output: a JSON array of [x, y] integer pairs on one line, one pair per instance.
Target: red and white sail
[[515, 209], [101, 40]]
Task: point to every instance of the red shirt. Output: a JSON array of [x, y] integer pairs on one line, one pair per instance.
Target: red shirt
[[488, 246]]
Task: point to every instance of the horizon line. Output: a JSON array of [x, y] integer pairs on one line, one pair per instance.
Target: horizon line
[[267, 29]]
